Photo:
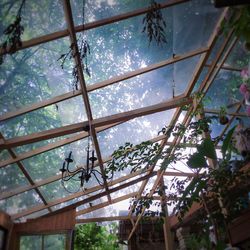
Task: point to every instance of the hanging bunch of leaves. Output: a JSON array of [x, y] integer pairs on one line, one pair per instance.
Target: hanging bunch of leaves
[[154, 24], [83, 50], [13, 35]]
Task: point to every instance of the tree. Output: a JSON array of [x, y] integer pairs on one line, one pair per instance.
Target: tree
[[93, 237]]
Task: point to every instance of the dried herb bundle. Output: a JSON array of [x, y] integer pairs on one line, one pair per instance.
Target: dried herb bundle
[[13, 33], [154, 24]]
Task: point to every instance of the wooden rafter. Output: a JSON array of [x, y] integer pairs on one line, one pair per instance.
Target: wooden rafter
[[190, 87], [102, 84], [92, 25], [78, 62], [25, 173], [81, 202], [52, 146], [225, 67], [105, 204], [216, 65], [78, 127], [235, 113], [166, 226]]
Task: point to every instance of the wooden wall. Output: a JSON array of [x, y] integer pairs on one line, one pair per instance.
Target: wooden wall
[[58, 223], [6, 223]]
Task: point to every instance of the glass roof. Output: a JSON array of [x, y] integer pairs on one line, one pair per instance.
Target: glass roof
[[133, 90]]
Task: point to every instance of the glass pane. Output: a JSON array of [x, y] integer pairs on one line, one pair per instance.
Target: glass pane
[[49, 163], [64, 113], [100, 9], [122, 47], [21, 202], [144, 90], [55, 242], [4, 155], [38, 17], [239, 57], [31, 242], [193, 23], [11, 177], [34, 74], [225, 90], [135, 131]]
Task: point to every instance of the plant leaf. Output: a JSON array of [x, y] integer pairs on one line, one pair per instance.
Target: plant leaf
[[227, 141], [207, 148], [197, 160]]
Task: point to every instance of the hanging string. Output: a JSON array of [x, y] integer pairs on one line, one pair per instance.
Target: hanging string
[[173, 83], [173, 89]]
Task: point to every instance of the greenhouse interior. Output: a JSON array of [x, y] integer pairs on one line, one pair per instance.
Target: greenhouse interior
[[124, 124]]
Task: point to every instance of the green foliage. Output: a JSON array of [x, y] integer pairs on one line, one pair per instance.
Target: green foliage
[[239, 19], [13, 34], [227, 147], [136, 157], [197, 160], [93, 237], [205, 149]]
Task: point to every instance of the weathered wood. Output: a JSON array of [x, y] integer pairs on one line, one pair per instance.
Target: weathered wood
[[62, 221]]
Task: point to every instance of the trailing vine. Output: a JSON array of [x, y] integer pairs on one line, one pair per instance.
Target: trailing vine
[[154, 24], [84, 52], [13, 34]]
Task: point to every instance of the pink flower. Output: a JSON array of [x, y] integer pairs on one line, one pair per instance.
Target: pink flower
[[248, 110], [244, 74], [243, 88], [247, 98]]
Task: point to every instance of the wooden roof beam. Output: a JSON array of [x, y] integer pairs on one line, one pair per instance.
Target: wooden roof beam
[[78, 127], [95, 24], [25, 173], [105, 204], [52, 146], [102, 84], [82, 202]]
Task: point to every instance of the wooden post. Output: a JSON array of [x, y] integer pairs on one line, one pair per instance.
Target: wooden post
[[166, 226]]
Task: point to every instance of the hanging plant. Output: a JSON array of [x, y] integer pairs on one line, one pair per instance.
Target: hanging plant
[[223, 119], [84, 52], [154, 24], [13, 34]]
